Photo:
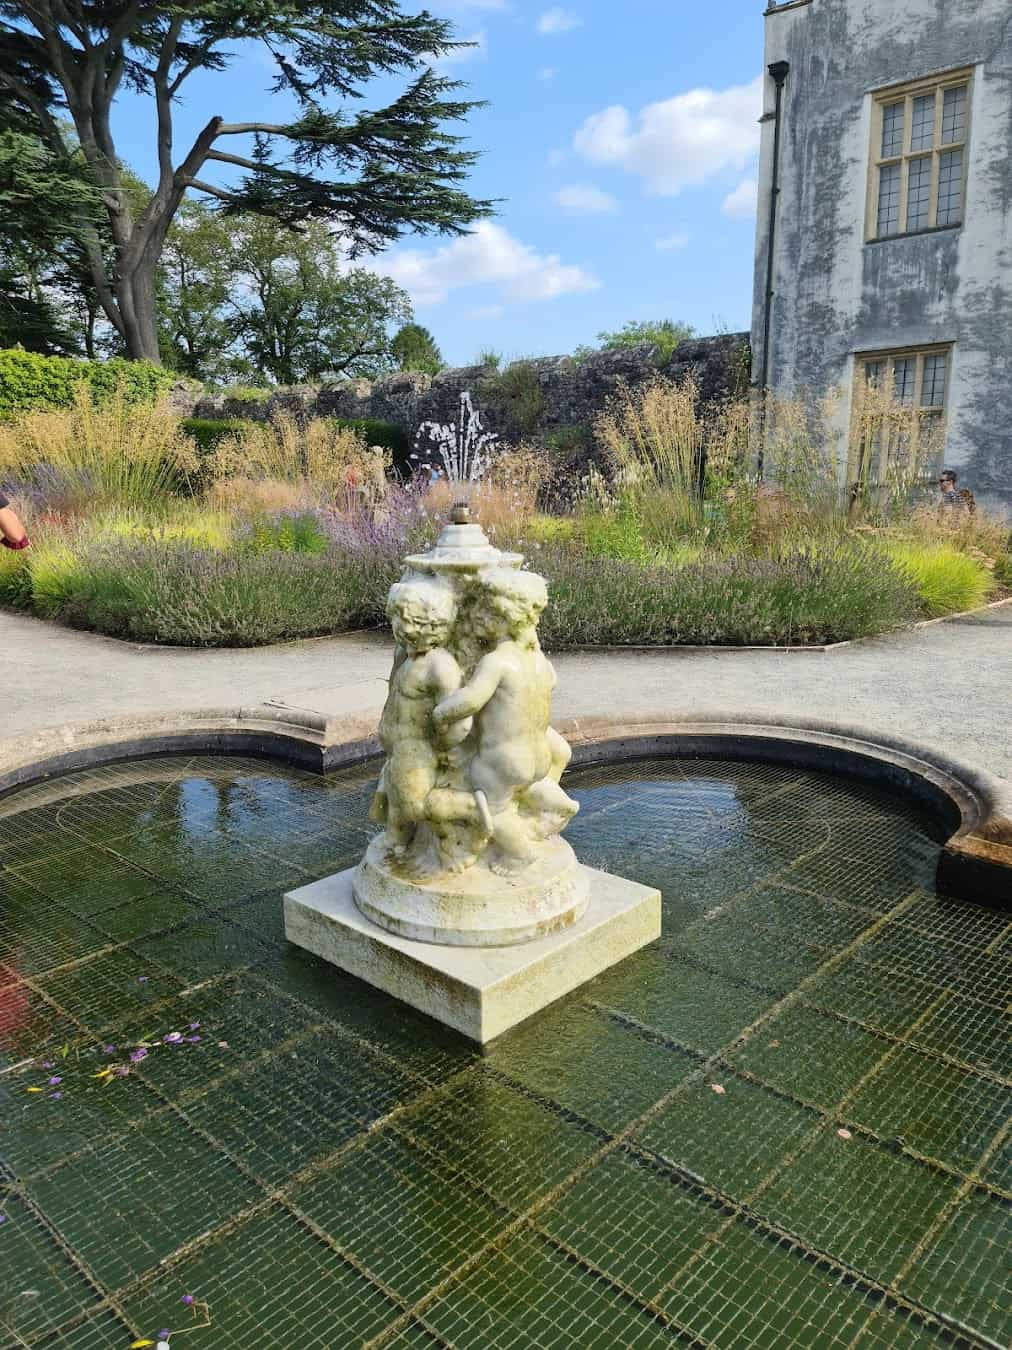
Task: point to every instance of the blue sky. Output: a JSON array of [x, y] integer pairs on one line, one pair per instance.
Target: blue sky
[[622, 138]]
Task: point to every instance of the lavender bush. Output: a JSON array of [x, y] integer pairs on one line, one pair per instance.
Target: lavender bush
[[203, 598], [803, 598]]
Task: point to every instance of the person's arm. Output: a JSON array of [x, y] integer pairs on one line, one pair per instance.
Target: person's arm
[[14, 533], [475, 694]]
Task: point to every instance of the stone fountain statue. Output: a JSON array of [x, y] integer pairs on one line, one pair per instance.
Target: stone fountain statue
[[470, 854], [469, 796]]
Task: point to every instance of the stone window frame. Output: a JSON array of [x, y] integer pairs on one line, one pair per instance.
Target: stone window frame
[[936, 413], [905, 94]]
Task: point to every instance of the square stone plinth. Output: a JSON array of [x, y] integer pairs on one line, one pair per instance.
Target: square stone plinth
[[480, 991]]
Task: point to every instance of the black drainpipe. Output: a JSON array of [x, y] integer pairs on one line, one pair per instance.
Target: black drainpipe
[[778, 70]]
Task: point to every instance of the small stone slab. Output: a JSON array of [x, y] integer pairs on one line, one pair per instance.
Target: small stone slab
[[480, 991]]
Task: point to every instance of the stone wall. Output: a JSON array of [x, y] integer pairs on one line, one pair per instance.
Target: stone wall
[[550, 394]]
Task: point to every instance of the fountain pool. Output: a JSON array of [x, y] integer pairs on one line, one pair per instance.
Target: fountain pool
[[783, 1124]]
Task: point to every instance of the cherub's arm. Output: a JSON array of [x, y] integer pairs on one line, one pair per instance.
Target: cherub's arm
[[475, 694]]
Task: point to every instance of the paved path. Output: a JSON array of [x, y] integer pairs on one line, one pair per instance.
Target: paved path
[[947, 685]]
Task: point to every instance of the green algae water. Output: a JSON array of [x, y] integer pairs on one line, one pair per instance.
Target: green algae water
[[784, 1124]]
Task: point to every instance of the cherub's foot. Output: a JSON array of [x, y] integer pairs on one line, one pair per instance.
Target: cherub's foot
[[506, 866]]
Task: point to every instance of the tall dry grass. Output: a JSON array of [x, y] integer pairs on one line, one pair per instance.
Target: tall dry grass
[[323, 463], [519, 478], [86, 457], [895, 451]]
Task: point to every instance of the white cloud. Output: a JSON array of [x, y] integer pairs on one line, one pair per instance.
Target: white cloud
[[671, 241], [583, 199], [489, 255], [558, 20], [743, 200], [546, 73], [680, 141], [478, 51]]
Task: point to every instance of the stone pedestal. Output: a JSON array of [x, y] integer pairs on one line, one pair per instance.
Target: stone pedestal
[[480, 991], [476, 908]]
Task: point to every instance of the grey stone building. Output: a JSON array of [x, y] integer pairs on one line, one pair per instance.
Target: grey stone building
[[884, 237]]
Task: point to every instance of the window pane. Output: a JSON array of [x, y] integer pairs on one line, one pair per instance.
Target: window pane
[[919, 193], [873, 372], [954, 115], [904, 377], [933, 382], [892, 129], [889, 199], [922, 131], [950, 188]]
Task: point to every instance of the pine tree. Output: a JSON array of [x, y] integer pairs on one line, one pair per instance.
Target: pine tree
[[374, 174], [414, 348]]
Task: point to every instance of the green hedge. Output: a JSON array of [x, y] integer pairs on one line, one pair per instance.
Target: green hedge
[[209, 431], [30, 381], [386, 434]]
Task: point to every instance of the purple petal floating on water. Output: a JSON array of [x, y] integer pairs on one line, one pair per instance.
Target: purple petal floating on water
[[193, 1039], [55, 1079], [137, 1055], [173, 1038], [55, 1096], [164, 1334], [108, 1049], [47, 1063], [3, 1218], [187, 1300], [194, 1026]]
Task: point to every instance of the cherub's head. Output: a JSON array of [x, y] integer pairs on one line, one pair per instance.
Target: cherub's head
[[512, 601], [421, 612]]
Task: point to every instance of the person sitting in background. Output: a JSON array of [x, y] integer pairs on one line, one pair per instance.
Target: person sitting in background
[[953, 499], [14, 533]]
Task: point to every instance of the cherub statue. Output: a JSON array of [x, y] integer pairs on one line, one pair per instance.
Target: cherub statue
[[519, 759], [422, 611]]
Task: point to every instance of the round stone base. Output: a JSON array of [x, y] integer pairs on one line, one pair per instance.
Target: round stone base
[[477, 908]]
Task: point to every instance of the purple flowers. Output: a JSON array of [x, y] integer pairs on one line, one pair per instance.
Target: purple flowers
[[137, 1055], [173, 1037], [187, 1300], [55, 1079], [108, 1049]]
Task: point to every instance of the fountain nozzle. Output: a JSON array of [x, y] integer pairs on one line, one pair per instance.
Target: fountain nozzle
[[461, 514]]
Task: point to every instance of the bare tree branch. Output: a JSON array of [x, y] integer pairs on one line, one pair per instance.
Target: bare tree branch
[[211, 190]]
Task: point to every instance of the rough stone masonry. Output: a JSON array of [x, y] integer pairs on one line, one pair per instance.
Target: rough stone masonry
[[529, 400]]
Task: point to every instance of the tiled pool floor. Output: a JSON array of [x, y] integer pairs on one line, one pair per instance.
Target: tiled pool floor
[[785, 1124]]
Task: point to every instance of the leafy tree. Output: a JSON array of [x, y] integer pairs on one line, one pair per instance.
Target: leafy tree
[[414, 348], [664, 334], [373, 173], [50, 214], [246, 297], [306, 313], [198, 326], [45, 201]]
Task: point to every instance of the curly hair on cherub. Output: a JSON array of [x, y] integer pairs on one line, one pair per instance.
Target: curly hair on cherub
[[424, 607], [519, 597]]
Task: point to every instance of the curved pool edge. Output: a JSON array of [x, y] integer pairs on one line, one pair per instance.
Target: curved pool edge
[[974, 806]]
